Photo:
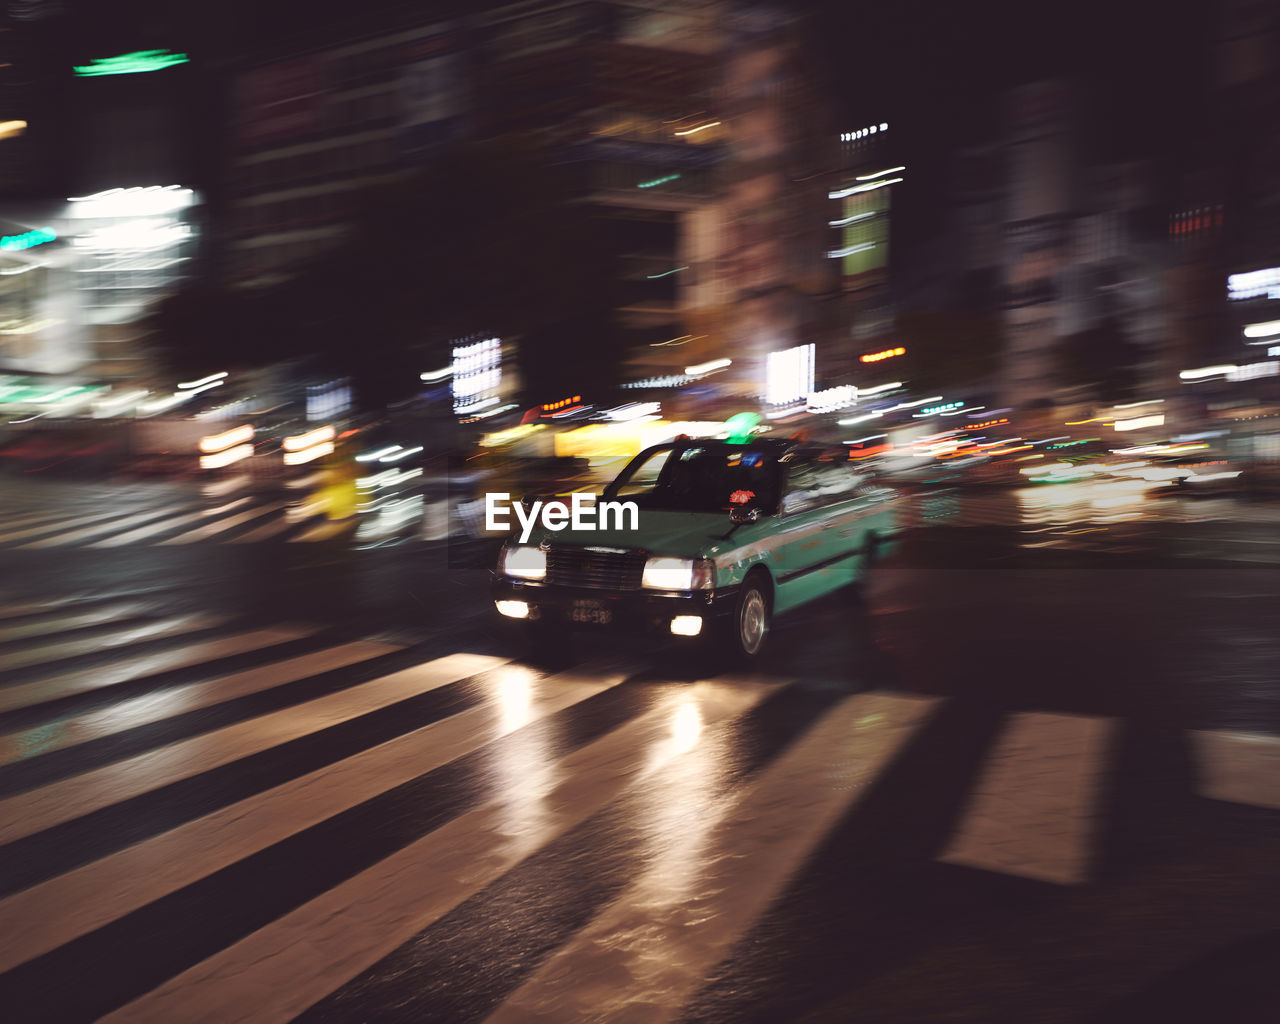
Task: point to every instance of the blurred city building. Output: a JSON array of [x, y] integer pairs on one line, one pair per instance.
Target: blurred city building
[[860, 218], [784, 331], [315, 125], [623, 97]]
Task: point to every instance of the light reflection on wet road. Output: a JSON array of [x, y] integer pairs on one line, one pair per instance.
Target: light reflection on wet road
[[256, 780]]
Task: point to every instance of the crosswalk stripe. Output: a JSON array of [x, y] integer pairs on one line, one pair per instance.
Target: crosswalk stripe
[[43, 808], [75, 536], [1032, 812], [222, 525], [70, 620], [143, 532], [656, 944], [54, 523], [68, 684], [1240, 768], [45, 916], [154, 707], [277, 971], [71, 648]]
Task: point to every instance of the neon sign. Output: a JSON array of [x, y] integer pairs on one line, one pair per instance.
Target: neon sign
[[28, 239], [133, 63]]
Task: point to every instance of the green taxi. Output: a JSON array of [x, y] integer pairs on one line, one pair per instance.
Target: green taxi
[[725, 537]]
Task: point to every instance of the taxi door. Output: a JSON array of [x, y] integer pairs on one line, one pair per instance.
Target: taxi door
[[817, 531]]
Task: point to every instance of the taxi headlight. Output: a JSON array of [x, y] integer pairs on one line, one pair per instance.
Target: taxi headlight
[[678, 574], [523, 562]]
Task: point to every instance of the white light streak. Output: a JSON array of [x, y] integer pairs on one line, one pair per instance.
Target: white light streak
[[854, 189], [700, 128], [203, 380], [298, 442], [701, 369], [218, 442], [879, 174], [1264, 330]]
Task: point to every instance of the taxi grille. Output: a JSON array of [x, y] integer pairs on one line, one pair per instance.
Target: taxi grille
[[595, 570]]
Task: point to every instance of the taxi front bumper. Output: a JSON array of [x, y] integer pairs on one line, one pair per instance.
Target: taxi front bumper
[[633, 610]]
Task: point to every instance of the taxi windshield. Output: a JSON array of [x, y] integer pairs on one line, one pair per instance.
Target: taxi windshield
[[697, 479]]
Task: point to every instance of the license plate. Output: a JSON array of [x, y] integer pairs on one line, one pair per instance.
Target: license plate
[[590, 612]]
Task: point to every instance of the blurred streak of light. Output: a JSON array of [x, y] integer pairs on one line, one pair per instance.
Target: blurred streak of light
[[184, 385], [1207, 371], [377, 455], [10, 129], [1263, 330], [430, 375], [225, 458], [869, 437], [298, 442], [683, 339], [880, 174], [1140, 422], [665, 273], [308, 454], [234, 436], [914, 405], [881, 387], [850, 220], [702, 369], [1134, 405], [510, 435], [871, 185], [990, 412], [397, 456], [700, 128], [859, 419], [836, 254]]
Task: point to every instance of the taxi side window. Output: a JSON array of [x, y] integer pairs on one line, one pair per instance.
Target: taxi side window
[[816, 481], [644, 477]]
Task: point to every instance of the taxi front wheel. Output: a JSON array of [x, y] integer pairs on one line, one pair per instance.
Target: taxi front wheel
[[746, 630]]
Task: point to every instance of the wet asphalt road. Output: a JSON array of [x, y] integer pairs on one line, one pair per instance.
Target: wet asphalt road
[[1031, 774]]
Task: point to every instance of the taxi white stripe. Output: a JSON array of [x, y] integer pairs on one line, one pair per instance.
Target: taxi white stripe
[[178, 700], [47, 915], [654, 945], [1238, 767], [39, 809], [1033, 812], [66, 684], [278, 971]]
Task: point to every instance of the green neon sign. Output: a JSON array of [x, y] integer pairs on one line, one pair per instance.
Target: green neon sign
[[131, 63], [28, 239]]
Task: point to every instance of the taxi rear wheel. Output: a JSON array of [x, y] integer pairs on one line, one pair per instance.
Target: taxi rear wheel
[[748, 627]]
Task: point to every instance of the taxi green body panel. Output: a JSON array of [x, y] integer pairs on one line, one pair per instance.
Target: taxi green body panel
[[806, 554]]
